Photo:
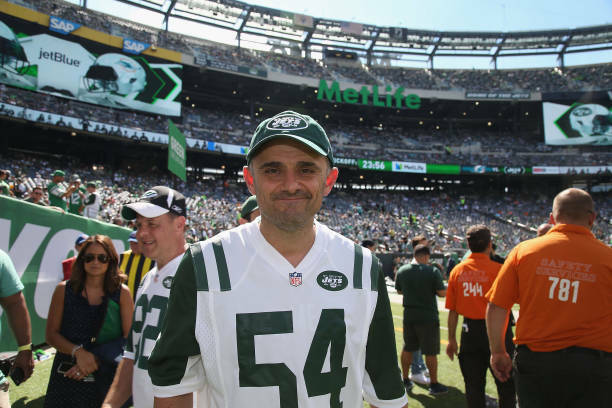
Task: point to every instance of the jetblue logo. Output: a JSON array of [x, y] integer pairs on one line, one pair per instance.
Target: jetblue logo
[[133, 46], [59, 25]]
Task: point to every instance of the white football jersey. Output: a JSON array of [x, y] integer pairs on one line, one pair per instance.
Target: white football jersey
[[149, 312], [246, 328]]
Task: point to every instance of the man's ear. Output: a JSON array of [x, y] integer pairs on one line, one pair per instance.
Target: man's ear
[[551, 219], [592, 217], [248, 179], [180, 224], [330, 180]]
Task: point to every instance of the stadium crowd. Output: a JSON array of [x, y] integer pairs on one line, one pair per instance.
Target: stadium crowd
[[457, 146], [388, 218], [596, 77]]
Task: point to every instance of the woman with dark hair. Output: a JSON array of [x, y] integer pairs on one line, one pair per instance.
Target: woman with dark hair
[[80, 308]]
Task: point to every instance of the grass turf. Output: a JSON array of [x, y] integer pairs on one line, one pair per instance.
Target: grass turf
[[31, 394]]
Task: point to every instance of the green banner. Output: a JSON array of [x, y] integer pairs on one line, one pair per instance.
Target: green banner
[[443, 168], [38, 239], [176, 151], [381, 165]]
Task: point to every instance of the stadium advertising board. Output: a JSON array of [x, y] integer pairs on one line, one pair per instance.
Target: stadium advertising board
[[212, 62], [497, 95], [62, 26], [409, 167], [106, 129], [443, 168], [571, 170], [177, 155], [509, 170], [345, 161], [578, 123], [479, 169], [365, 96], [38, 239], [37, 59]]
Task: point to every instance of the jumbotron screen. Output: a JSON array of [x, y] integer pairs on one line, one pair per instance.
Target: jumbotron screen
[[36, 59], [578, 123]]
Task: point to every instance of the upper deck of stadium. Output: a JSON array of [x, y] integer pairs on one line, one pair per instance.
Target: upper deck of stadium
[[274, 41]]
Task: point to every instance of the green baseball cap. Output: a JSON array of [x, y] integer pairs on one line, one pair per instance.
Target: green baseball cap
[[295, 126], [249, 205], [57, 173]]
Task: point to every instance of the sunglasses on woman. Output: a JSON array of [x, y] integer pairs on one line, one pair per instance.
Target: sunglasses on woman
[[102, 258]]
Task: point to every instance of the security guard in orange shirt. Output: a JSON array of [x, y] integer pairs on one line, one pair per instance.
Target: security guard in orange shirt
[[467, 285], [563, 283]]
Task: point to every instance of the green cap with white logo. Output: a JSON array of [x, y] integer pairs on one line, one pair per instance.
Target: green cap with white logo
[[295, 126]]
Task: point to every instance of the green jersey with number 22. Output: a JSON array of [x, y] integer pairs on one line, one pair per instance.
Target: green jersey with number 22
[[245, 328]]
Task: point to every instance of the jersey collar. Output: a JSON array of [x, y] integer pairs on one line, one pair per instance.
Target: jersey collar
[[571, 228], [279, 262]]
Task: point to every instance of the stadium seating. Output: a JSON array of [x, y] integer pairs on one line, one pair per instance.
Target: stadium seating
[[389, 218]]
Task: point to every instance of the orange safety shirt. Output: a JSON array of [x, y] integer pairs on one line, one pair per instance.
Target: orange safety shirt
[[469, 281], [563, 284]]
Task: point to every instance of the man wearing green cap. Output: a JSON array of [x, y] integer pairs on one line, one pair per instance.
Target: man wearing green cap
[[57, 192], [249, 210], [281, 311]]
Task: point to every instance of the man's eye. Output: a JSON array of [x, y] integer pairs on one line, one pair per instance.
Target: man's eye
[[271, 171]]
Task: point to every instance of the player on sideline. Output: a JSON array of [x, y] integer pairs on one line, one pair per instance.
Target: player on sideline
[[468, 283], [280, 312], [563, 282], [160, 220]]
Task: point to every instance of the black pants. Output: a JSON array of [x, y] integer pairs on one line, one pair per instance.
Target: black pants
[[570, 378], [474, 360]]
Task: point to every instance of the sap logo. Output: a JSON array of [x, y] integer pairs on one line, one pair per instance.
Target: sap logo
[[134, 47], [62, 26], [332, 280]]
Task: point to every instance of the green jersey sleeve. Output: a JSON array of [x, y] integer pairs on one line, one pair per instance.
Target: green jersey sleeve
[[383, 383], [171, 358]]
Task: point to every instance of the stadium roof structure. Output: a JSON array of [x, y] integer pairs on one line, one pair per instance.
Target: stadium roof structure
[[309, 33]]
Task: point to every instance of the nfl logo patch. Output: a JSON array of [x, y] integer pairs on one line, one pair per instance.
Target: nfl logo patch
[[295, 279]]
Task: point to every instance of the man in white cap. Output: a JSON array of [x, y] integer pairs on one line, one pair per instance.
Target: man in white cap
[[160, 216]]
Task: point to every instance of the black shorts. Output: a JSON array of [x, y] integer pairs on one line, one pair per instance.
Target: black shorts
[[422, 335]]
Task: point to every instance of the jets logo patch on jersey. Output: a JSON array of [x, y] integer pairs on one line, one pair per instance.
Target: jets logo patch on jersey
[[332, 280], [295, 279], [292, 122]]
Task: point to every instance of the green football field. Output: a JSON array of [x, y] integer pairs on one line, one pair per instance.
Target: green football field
[[31, 393]]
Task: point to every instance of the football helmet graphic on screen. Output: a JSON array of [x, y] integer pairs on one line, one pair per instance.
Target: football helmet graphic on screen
[[13, 59], [592, 121], [115, 73]]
